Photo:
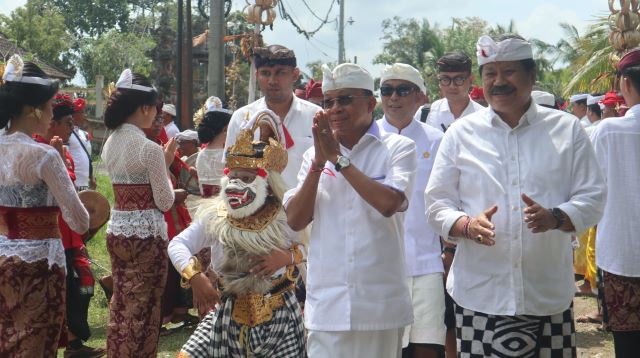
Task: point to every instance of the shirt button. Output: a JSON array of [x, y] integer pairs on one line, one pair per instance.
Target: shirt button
[[350, 285], [513, 158], [350, 259], [514, 182], [514, 208]]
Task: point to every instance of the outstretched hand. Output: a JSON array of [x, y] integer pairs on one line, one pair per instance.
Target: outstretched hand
[[481, 229]]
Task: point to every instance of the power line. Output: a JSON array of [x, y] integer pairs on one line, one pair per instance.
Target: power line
[[285, 15]]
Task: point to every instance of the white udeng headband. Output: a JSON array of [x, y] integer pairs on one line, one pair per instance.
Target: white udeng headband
[[126, 82], [13, 73], [512, 49]]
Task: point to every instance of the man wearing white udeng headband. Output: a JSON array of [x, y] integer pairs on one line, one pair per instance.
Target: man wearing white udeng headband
[[511, 183]]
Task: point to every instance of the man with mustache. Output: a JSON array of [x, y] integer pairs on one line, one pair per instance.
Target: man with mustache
[[510, 185], [276, 73], [354, 185], [251, 310], [455, 79]]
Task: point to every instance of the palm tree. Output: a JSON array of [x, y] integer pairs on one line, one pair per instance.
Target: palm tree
[[588, 56]]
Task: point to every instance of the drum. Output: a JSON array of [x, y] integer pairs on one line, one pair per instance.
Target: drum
[[99, 210]]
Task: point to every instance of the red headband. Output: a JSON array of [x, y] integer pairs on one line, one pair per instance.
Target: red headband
[[611, 99], [314, 89], [79, 104], [476, 93]]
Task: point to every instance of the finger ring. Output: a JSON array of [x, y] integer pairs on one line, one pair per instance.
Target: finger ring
[[479, 238]]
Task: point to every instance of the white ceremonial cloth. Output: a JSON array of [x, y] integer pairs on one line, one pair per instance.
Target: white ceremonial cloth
[[617, 143], [356, 273], [483, 162]]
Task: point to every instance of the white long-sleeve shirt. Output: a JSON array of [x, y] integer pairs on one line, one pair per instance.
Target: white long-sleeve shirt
[[617, 144], [356, 274], [483, 162]]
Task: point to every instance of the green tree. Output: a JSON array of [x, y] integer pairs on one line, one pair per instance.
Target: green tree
[[92, 18], [41, 31], [114, 51]]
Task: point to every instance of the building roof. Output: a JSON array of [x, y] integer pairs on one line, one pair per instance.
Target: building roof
[[8, 48]]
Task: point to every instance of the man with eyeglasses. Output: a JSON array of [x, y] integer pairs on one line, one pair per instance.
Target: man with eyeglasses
[[455, 79], [510, 185], [354, 185], [402, 90], [276, 73]]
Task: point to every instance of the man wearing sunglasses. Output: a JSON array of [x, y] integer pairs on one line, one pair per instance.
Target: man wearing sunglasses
[[353, 184], [276, 74], [455, 79], [402, 90]]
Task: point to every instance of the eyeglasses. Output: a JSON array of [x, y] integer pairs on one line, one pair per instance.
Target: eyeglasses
[[401, 91], [446, 80], [341, 100]]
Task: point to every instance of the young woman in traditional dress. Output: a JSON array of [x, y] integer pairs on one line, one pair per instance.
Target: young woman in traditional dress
[[137, 232], [34, 188]]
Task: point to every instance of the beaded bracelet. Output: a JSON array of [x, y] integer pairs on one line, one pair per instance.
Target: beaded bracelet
[[465, 228]]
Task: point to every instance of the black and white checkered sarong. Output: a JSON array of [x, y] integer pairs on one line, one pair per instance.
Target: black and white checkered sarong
[[484, 335], [219, 336]]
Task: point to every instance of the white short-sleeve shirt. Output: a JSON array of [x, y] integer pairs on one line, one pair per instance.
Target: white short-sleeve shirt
[[356, 274]]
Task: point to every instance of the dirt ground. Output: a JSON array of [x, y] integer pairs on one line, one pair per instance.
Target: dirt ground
[[591, 340]]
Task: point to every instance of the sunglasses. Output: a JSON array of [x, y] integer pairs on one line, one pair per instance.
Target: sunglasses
[[401, 91], [341, 100], [446, 80]]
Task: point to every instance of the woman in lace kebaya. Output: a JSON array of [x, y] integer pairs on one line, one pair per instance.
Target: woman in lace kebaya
[[137, 232], [34, 188]]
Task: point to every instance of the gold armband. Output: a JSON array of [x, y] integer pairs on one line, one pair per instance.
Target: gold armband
[[296, 254], [192, 269]]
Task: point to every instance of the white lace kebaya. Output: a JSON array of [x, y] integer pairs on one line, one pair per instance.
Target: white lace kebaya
[[132, 159], [33, 175]]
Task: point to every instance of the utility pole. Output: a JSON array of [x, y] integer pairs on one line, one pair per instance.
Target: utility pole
[[186, 119], [179, 61], [215, 44], [341, 56]]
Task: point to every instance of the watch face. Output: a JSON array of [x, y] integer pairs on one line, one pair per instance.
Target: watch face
[[343, 161]]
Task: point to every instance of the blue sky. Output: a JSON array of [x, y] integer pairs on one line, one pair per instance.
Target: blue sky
[[534, 18]]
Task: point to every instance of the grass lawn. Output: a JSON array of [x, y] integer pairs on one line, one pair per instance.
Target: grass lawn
[[99, 310]]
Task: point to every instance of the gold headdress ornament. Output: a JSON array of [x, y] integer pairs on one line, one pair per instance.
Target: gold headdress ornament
[[266, 152]]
